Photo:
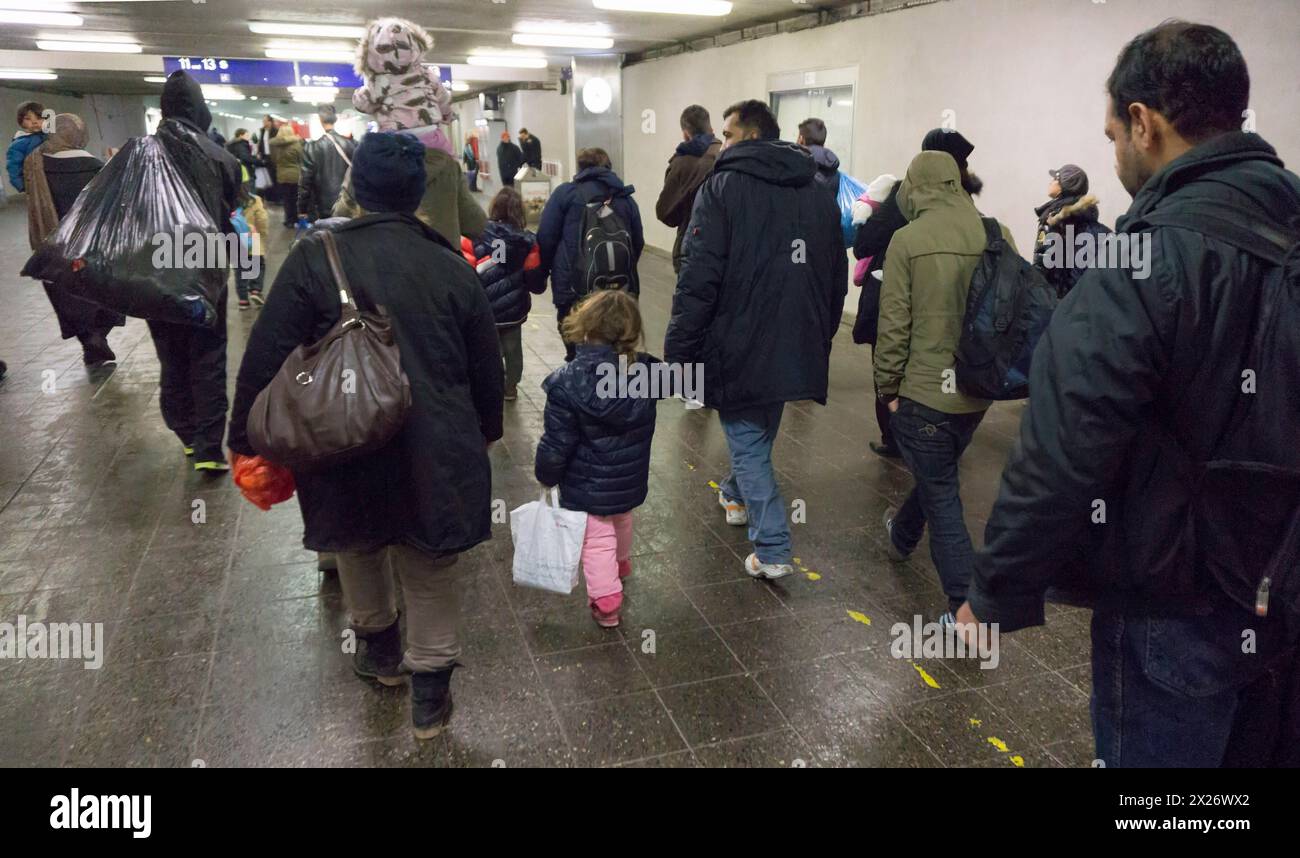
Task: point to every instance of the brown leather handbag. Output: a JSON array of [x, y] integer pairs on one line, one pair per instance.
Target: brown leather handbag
[[338, 398]]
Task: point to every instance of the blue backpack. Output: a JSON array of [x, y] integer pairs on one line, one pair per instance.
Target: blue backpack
[[1007, 310]]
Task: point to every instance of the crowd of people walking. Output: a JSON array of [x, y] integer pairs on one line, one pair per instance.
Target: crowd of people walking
[[1136, 401]]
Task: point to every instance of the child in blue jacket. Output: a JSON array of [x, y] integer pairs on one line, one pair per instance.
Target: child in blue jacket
[[599, 421], [26, 139]]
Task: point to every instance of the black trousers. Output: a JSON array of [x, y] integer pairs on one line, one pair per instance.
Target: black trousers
[[78, 318], [193, 385], [289, 198]]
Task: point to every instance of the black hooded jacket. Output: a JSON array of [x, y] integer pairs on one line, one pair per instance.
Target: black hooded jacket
[[212, 170], [828, 170], [763, 279], [1135, 379]]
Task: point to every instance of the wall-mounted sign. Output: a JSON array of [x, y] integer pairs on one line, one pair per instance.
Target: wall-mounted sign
[[237, 72], [233, 72]]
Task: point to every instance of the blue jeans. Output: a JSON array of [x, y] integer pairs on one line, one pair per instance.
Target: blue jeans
[[1180, 692], [931, 443], [750, 434]]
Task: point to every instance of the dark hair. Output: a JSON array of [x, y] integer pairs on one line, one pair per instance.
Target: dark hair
[[327, 114], [1192, 74], [523, 130], [508, 207], [592, 158], [695, 119], [813, 132], [754, 115], [30, 107], [240, 132]]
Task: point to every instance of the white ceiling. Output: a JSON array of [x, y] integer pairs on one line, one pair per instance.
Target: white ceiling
[[220, 28]]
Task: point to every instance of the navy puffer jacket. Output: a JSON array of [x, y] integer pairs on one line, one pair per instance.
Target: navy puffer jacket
[[596, 446], [559, 233], [508, 286]]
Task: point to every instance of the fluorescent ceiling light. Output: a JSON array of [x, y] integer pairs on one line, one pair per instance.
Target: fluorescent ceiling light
[[328, 31], [47, 19], [459, 86], [511, 61], [153, 78], [221, 92], [713, 8], [340, 55], [27, 74], [556, 40], [313, 94], [92, 47]]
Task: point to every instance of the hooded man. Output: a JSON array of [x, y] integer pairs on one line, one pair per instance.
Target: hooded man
[[758, 300], [872, 242], [687, 170], [922, 307], [193, 358]]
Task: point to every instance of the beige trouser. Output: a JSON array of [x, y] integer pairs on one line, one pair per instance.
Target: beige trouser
[[432, 601]]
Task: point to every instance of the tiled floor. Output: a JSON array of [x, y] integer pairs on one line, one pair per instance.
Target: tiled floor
[[224, 643]]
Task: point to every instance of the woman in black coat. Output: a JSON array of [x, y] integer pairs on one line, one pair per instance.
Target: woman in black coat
[[55, 174], [411, 507]]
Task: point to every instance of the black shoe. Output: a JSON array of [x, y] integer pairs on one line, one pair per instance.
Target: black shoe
[[430, 702], [381, 657], [95, 350], [886, 451], [4, 367]]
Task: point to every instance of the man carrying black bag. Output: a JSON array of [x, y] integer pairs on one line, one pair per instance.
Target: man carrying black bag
[[193, 358]]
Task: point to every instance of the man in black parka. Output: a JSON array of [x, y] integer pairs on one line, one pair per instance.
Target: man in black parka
[[1146, 373], [758, 300]]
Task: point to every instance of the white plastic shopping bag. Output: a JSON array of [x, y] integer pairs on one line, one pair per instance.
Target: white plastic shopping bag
[[262, 178], [548, 544]]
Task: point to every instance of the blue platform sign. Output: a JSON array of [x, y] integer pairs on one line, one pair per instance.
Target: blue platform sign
[[233, 72], [236, 72]]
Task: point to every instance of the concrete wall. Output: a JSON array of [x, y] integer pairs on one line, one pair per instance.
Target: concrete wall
[[110, 119], [1025, 80]]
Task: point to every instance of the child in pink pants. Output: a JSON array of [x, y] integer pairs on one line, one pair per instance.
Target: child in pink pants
[[596, 441]]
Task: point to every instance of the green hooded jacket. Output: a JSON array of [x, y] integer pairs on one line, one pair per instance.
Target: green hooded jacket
[[928, 270]]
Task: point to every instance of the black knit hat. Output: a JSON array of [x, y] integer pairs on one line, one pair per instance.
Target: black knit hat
[[388, 172], [952, 142]]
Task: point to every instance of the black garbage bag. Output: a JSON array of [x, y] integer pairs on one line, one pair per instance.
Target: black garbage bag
[[138, 241]]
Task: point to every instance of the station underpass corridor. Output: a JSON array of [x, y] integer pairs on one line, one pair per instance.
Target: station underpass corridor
[[224, 641]]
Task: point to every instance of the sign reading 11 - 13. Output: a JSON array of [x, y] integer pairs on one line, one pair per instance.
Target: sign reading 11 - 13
[[235, 72]]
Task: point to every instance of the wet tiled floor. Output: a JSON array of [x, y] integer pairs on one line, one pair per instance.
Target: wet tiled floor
[[223, 641]]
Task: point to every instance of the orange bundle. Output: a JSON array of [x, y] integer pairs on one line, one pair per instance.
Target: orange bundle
[[263, 483]]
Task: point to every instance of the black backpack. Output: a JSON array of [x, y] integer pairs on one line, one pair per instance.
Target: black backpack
[[1007, 310], [605, 258], [1243, 517]]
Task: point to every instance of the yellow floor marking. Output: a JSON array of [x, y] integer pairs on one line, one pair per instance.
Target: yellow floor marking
[[813, 576], [999, 744], [975, 722], [1018, 760], [861, 618], [689, 465], [714, 486], [929, 680]]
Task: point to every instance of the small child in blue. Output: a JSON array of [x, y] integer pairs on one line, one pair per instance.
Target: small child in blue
[[596, 444], [28, 136]]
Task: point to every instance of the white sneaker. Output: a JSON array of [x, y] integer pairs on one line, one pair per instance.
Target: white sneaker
[[770, 571], [890, 549], [736, 513]]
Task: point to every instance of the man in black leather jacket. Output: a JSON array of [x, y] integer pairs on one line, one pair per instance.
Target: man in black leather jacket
[[325, 163]]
